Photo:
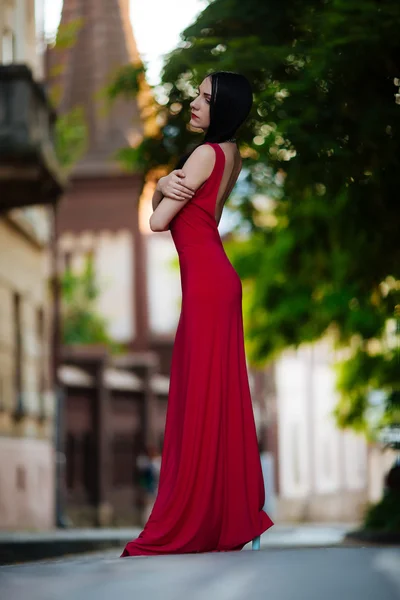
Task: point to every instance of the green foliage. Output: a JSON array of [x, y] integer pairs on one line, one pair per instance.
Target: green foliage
[[71, 137], [81, 323], [67, 34], [71, 131], [126, 82], [319, 200], [358, 378], [385, 514]]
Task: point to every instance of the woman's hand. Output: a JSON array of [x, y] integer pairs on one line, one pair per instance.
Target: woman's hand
[[173, 186], [197, 169]]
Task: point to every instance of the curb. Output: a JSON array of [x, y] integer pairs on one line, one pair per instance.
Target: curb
[[389, 538], [21, 551], [22, 547], [31, 551]]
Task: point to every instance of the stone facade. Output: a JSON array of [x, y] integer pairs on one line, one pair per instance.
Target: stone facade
[[18, 25], [27, 487], [26, 402], [27, 483], [323, 471]]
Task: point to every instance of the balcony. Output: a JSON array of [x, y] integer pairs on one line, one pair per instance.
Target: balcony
[[29, 170]]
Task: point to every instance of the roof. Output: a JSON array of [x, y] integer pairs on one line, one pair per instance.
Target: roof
[[114, 379], [104, 43]]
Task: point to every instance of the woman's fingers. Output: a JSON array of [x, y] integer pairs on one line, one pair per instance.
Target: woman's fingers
[[180, 192], [176, 189], [184, 193], [186, 188], [179, 196], [181, 185], [187, 192]]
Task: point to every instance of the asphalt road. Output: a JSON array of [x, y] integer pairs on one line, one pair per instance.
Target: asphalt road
[[311, 574]]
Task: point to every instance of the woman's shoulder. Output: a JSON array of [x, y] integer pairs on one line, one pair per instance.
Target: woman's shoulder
[[202, 157], [205, 151], [199, 165]]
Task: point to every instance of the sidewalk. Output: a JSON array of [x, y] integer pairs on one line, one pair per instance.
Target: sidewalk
[[21, 546]]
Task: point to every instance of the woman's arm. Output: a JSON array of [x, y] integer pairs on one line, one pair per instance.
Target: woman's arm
[[197, 169], [173, 186], [157, 197]]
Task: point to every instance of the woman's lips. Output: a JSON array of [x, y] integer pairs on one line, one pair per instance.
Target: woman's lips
[[194, 116]]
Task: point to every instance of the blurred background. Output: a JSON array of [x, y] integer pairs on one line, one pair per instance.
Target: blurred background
[[94, 102]]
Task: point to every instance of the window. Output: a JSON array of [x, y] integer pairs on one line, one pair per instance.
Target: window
[[70, 451], [88, 465], [68, 260], [1, 392], [41, 366], [7, 46], [20, 478], [124, 459], [18, 354], [327, 458], [296, 468]]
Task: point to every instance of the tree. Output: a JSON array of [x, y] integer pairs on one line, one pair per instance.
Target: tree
[[319, 200], [71, 129], [81, 323]]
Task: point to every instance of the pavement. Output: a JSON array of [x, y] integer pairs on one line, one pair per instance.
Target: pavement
[[338, 573], [22, 546]]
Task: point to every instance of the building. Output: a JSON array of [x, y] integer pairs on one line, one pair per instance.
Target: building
[[322, 471], [30, 185], [113, 405], [99, 214]]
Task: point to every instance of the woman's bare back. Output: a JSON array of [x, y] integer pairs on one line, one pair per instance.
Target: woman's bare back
[[233, 166]]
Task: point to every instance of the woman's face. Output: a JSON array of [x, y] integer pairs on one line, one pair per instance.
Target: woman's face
[[200, 107]]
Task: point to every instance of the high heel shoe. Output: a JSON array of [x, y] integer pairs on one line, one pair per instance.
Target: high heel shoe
[[256, 543]]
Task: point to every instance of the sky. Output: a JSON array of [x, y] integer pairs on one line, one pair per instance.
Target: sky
[[157, 25]]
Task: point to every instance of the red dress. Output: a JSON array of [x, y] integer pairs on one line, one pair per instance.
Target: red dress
[[211, 489]]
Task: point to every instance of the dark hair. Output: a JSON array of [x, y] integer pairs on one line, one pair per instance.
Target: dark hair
[[231, 102]]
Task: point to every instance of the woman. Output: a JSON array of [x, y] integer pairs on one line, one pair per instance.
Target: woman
[[211, 489]]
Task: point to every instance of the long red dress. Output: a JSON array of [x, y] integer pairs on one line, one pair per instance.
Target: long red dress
[[211, 489]]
